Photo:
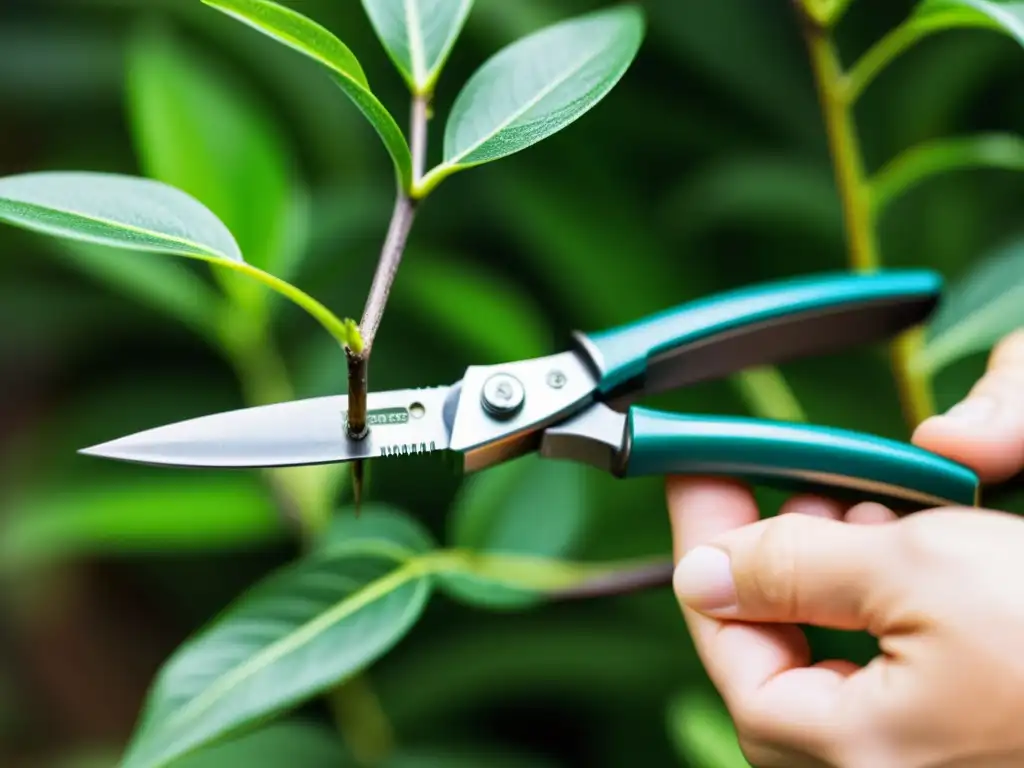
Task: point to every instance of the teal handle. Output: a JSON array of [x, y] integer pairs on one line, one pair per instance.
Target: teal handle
[[833, 462], [767, 323]]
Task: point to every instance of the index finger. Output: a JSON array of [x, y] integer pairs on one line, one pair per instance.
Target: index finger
[[740, 658], [701, 509]]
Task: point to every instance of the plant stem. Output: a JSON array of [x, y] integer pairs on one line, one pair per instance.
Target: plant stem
[[901, 39], [356, 710], [1003, 151], [387, 267], [855, 192], [845, 148]]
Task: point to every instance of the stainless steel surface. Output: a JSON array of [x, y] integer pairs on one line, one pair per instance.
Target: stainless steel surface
[[486, 440], [502, 395], [596, 436], [556, 379], [312, 431]]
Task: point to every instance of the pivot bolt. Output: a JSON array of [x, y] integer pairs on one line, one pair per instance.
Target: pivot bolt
[[503, 395], [556, 379]]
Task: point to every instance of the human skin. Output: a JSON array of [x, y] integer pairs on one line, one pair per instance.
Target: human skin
[[942, 590]]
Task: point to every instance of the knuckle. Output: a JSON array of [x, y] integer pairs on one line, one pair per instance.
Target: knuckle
[[777, 554], [749, 722]]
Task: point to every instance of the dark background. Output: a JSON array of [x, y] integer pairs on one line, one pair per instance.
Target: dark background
[[705, 168]]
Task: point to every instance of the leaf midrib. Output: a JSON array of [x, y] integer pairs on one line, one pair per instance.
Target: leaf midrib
[[514, 567], [415, 39], [194, 247], [277, 32], [528, 105], [300, 636]]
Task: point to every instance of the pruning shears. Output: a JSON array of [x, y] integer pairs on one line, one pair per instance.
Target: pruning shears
[[580, 404]]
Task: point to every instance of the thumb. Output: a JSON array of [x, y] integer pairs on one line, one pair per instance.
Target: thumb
[[986, 430], [793, 569]]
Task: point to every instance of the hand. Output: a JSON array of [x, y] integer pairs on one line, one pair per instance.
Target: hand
[[943, 590]]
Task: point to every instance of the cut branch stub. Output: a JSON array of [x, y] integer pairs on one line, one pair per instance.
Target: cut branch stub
[[355, 421]]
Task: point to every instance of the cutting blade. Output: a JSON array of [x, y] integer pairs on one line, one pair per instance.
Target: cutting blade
[[294, 433]]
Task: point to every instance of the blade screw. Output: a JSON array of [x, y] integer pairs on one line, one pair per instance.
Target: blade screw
[[502, 396], [556, 379]]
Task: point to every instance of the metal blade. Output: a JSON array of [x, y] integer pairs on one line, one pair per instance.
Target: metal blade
[[312, 431]]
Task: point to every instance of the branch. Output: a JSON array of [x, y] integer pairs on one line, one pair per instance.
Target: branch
[[387, 267], [623, 582], [398, 232], [835, 93]]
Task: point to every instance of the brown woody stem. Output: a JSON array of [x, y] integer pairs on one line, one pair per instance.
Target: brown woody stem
[[387, 267], [651, 576]]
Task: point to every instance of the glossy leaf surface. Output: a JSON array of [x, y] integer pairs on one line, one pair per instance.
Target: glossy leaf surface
[[977, 311], [142, 215], [538, 85], [418, 35], [311, 39], [297, 633], [122, 211]]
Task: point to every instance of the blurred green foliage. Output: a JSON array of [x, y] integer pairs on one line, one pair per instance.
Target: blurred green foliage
[[706, 168]]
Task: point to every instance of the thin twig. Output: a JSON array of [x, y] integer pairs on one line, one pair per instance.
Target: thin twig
[[622, 582], [398, 232], [387, 267], [859, 215], [384, 277]]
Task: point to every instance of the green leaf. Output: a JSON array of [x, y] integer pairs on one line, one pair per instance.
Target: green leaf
[[148, 514], [928, 18], [978, 311], [994, 14], [121, 211], [277, 745], [197, 129], [298, 633], [1003, 151], [418, 35], [529, 506], [703, 733], [140, 215], [492, 320], [537, 86], [309, 38]]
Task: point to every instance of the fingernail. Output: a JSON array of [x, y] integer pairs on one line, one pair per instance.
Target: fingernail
[[703, 580], [973, 411]]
